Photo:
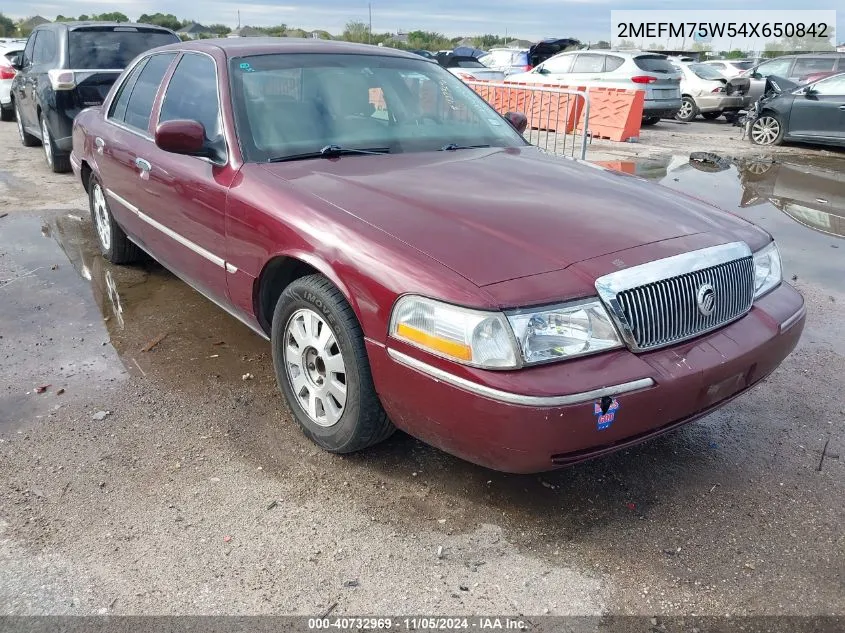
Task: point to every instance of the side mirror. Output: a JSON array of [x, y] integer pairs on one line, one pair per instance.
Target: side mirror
[[16, 61], [542, 70], [756, 75], [809, 91], [518, 120], [181, 137]]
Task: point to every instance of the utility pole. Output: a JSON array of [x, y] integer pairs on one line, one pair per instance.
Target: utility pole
[[370, 30], [239, 18]]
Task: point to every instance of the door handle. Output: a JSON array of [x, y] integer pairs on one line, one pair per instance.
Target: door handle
[[143, 165], [842, 107], [100, 144]]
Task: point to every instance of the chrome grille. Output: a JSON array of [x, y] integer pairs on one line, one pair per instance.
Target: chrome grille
[[656, 304], [667, 311]]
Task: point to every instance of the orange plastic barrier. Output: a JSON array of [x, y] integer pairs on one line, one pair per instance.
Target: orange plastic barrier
[[625, 166], [615, 113], [545, 111]]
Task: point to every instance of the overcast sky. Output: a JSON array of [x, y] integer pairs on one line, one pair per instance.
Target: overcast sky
[[588, 20]]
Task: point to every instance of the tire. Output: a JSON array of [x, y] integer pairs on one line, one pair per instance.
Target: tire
[[59, 163], [27, 139], [650, 120], [318, 346], [710, 116], [767, 129], [114, 245], [7, 113], [688, 110]]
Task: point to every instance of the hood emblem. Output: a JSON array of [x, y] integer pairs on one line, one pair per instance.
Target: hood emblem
[[705, 298]]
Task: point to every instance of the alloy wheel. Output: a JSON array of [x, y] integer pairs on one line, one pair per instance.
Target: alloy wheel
[[315, 368], [101, 217], [765, 130], [686, 109], [45, 141]]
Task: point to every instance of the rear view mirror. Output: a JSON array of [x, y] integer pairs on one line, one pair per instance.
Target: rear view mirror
[[518, 120], [181, 137]]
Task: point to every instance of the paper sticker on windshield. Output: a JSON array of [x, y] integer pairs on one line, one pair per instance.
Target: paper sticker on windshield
[[244, 66], [605, 412]]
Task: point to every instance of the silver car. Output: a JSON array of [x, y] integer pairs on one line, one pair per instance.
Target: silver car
[[705, 91], [635, 70], [730, 67]]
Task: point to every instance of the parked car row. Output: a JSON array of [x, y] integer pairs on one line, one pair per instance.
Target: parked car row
[[9, 50], [390, 257], [67, 67]]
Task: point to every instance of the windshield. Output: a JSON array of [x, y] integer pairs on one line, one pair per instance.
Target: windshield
[[292, 104], [706, 72], [742, 65], [112, 47]]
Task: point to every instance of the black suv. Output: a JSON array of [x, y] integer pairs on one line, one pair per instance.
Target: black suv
[[69, 66]]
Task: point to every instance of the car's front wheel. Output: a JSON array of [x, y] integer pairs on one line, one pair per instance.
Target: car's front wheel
[[322, 367], [767, 129], [688, 110], [114, 245], [56, 161]]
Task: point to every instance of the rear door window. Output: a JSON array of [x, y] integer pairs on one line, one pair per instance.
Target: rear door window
[[144, 91], [118, 106], [807, 65], [655, 64], [112, 48], [588, 63]]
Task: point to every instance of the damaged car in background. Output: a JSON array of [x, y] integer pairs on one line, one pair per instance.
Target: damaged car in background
[[401, 273], [810, 113]]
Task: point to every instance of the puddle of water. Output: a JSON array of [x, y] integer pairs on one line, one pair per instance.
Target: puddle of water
[[73, 321], [799, 200]]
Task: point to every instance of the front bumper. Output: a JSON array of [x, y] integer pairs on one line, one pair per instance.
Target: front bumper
[[518, 421], [718, 103]]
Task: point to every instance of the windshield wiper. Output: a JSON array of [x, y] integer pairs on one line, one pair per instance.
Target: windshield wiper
[[330, 151], [453, 146]]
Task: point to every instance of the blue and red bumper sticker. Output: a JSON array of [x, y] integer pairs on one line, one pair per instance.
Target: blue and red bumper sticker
[[605, 412]]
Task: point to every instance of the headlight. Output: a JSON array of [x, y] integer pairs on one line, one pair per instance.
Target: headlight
[[471, 337], [767, 270], [564, 331]]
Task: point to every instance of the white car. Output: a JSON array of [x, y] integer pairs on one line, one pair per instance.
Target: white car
[[730, 67], [8, 49], [635, 70]]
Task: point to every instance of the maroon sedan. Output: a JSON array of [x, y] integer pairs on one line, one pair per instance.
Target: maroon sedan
[[416, 264]]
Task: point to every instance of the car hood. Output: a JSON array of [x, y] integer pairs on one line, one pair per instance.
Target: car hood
[[497, 214]]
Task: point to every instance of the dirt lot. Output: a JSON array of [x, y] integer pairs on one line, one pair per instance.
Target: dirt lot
[[162, 482]]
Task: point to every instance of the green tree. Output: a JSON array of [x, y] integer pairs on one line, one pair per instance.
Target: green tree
[[83, 18], [656, 46], [219, 29], [356, 31], [7, 26], [168, 21], [488, 41], [114, 16], [602, 44], [735, 54], [805, 44], [701, 47], [62, 18]]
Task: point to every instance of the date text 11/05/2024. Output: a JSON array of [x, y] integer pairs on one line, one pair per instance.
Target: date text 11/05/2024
[[706, 30], [417, 623]]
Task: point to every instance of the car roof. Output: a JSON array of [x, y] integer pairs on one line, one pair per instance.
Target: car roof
[[244, 46], [71, 26]]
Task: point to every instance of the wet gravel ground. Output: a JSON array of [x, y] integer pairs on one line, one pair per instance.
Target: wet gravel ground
[[162, 482]]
